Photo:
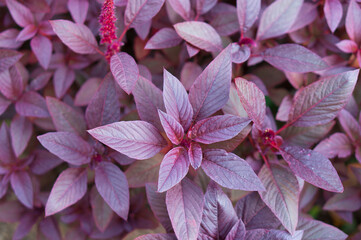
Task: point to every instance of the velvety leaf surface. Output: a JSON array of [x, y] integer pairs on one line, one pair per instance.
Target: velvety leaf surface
[[172, 127], [247, 12], [185, 205], [230, 171], [23, 187], [164, 38], [140, 11]]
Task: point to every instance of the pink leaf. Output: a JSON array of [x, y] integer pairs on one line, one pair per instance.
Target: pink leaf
[[87, 91], [230, 171], [136, 139], [11, 83], [182, 7], [8, 58], [32, 104], [176, 100], [23, 187], [8, 39], [190, 72], [125, 71], [27, 33], [210, 90], [77, 37], [223, 17], [62, 80], [101, 211], [21, 14], [42, 48], [157, 236], [337, 145], [185, 206], [240, 54], [353, 21], [200, 34], [203, 6], [140, 11], [217, 128], [320, 102], [281, 195], [40, 81], [113, 187], [4, 104], [347, 46], [78, 10], [172, 128], [333, 13], [247, 11], [252, 100], [191, 50], [21, 130], [306, 16], [313, 167], [164, 38], [68, 146], [173, 168], [195, 155]]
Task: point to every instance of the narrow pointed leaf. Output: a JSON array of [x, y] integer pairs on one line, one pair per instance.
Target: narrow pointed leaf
[[247, 11], [21, 14], [11, 83], [23, 187], [203, 6], [333, 13], [63, 78], [164, 38], [42, 48], [353, 20], [140, 11], [32, 104], [101, 211], [195, 155], [237, 232], [347, 46], [172, 128], [21, 130], [182, 7]]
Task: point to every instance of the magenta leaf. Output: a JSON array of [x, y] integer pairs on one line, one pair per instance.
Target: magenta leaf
[[140, 11], [182, 7], [22, 185], [337, 145], [77, 37], [62, 80], [113, 187], [104, 107], [353, 20], [65, 118], [247, 11], [293, 58], [125, 71], [6, 151], [192, 50], [136, 139], [21, 14], [185, 205], [4, 184], [237, 232], [317, 230], [252, 100], [21, 130], [230, 171], [68, 146], [349, 200], [164, 38], [333, 13], [78, 10], [4, 104], [173, 168], [320, 102], [195, 155], [217, 128], [347, 46], [176, 100], [44, 161], [27, 33], [200, 34], [210, 90], [69, 188], [172, 128], [240, 54], [218, 213], [278, 18], [8, 39], [281, 195], [203, 6], [313, 167], [32, 104], [101, 211], [42, 48], [8, 58]]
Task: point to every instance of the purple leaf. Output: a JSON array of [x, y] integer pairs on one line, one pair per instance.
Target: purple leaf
[[50, 229], [195, 155], [26, 223], [333, 13], [230, 171], [157, 203], [316, 230], [142, 172], [8, 39], [265, 234], [136, 139], [223, 17], [140, 11], [247, 11], [4, 184], [21, 14], [185, 205], [307, 14], [190, 72], [349, 200], [337, 145], [69, 188], [68, 146], [157, 236], [23, 187], [238, 232], [172, 128], [77, 37], [20, 130], [11, 83], [192, 50], [347, 46], [203, 6], [65, 118], [78, 10], [164, 38], [87, 91], [252, 100], [32, 104], [353, 20], [176, 100], [210, 90], [278, 18], [62, 80], [218, 213], [11, 211], [293, 58], [200, 34], [240, 54], [284, 109], [313, 167], [113, 187], [101, 211], [143, 29], [217, 128], [104, 107], [4, 104], [27, 33], [40, 81], [281, 195], [182, 7], [6, 151], [8, 58], [173, 168], [125, 71], [320, 102], [44, 162], [42, 48], [350, 126]]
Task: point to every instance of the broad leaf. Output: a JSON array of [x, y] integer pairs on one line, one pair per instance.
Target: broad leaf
[[87, 91], [136, 139], [172, 128], [63, 78], [173, 168], [69, 188], [23, 187], [11, 83], [210, 90], [223, 17], [21, 14], [247, 11], [21, 130], [349, 200], [78, 10], [8, 58], [140, 11], [182, 7], [230, 171], [337, 145], [113, 187], [353, 21], [281, 195], [350, 126], [317, 230], [333, 13], [189, 73], [185, 205], [26, 223], [203, 6], [157, 236], [101, 211], [50, 229], [164, 38], [42, 48], [347, 46]]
